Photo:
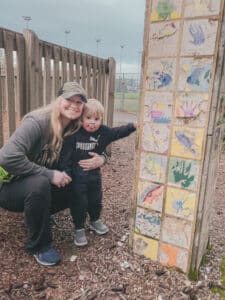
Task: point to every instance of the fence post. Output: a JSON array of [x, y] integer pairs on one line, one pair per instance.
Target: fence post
[[111, 91], [33, 70]]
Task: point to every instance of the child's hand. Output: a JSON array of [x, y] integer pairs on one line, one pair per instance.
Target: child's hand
[[135, 124]]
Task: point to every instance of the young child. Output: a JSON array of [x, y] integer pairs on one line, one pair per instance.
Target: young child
[[87, 187]]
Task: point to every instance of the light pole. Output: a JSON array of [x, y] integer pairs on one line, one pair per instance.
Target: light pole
[[121, 79], [67, 31], [121, 52], [139, 61], [98, 41], [27, 20]]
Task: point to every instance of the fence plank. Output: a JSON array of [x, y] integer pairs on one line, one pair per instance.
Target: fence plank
[[78, 61], [99, 81], [71, 65], [84, 70], [21, 73], [8, 37], [112, 71], [33, 70], [89, 87], [56, 57], [64, 65], [40, 90], [47, 73], [94, 90]]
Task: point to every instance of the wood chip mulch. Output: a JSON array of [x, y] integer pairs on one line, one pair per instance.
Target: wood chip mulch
[[106, 269]]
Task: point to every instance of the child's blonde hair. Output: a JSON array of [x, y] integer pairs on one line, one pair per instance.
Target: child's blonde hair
[[93, 106]]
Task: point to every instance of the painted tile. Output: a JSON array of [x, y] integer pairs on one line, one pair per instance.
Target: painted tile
[[163, 39], [187, 142], [183, 173], [156, 137], [194, 8], [153, 167], [180, 203], [173, 257], [191, 109], [150, 195], [158, 107], [199, 37], [176, 232], [145, 246], [160, 74], [148, 222], [165, 10], [195, 74]]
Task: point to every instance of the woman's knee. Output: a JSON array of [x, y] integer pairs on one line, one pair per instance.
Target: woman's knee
[[38, 190], [38, 184]]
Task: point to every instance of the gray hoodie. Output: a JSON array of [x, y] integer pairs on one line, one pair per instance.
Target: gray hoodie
[[25, 152]]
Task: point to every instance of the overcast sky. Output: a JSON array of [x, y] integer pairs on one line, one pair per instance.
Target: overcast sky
[[114, 22]]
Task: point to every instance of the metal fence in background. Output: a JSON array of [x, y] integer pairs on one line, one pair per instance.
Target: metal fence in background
[[127, 88]]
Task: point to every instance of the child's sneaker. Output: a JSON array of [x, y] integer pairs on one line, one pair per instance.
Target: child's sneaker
[[99, 227], [80, 238]]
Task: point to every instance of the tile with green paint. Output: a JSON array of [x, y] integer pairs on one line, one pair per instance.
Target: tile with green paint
[[183, 173], [165, 10]]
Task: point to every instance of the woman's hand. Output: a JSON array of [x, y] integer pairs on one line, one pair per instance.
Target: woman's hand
[[60, 179], [92, 163]]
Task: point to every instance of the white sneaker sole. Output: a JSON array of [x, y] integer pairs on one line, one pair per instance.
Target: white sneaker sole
[[98, 232], [44, 263], [80, 244]]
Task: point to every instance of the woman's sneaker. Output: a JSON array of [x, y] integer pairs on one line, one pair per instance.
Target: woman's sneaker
[[80, 238], [48, 257], [99, 227]]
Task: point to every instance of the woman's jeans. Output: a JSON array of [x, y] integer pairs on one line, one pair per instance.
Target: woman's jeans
[[38, 199]]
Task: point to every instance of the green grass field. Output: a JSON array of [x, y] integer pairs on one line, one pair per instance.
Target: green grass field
[[129, 103]]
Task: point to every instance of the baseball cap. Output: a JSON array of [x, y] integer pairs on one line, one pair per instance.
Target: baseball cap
[[70, 89]]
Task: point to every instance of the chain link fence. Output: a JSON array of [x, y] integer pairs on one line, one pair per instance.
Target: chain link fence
[[127, 87]]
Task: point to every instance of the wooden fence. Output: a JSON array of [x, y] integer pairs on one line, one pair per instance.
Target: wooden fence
[[32, 71]]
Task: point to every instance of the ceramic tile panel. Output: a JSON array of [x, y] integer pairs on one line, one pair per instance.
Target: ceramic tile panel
[[176, 232], [191, 109], [199, 37], [150, 195], [163, 39], [180, 203], [195, 74], [198, 8], [156, 137], [161, 74], [148, 222], [158, 107], [183, 173], [187, 142], [145, 246], [165, 10], [153, 167], [173, 257]]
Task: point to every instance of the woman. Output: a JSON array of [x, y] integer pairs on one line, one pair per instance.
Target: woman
[[28, 168]]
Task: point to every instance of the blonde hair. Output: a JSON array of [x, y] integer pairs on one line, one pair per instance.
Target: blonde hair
[[94, 106], [57, 132]]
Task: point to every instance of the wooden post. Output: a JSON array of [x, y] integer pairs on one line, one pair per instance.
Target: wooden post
[[33, 70], [8, 36], [111, 90]]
